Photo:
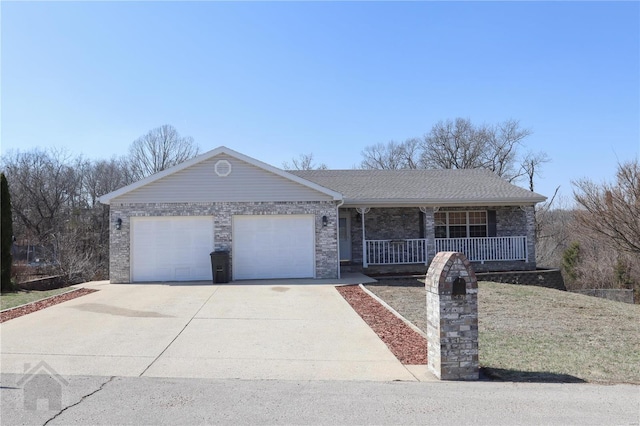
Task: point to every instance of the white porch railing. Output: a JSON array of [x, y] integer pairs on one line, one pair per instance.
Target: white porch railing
[[396, 252], [486, 248]]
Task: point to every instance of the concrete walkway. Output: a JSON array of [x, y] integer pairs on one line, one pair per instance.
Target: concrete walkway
[[266, 330]]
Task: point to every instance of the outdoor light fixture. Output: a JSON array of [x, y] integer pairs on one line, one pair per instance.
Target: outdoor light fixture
[[118, 224], [324, 221]]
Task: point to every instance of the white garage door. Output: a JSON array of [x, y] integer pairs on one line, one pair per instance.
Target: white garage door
[[171, 248], [274, 246]]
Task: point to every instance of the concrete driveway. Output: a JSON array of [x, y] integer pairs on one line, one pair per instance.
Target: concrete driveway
[[248, 331]]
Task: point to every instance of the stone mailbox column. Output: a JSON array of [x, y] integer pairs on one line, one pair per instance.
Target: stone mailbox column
[[452, 317]]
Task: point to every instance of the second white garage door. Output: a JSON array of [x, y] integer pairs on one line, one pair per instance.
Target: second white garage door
[[273, 246]]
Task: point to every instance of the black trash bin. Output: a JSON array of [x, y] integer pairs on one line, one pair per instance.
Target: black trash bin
[[220, 266]]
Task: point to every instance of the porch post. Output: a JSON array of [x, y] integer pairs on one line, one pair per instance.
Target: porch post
[[363, 211], [338, 236], [530, 246], [427, 225]]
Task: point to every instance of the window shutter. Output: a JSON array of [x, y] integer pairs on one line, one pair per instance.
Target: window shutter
[[491, 219]]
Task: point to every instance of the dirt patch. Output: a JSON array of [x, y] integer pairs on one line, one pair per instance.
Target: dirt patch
[[406, 344], [41, 304]]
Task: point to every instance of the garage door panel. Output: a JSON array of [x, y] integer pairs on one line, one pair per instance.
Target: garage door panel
[[273, 246], [171, 248]]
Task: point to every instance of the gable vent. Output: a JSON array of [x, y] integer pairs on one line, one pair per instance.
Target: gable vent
[[222, 168]]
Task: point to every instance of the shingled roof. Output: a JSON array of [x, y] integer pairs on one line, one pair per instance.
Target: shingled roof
[[421, 187]]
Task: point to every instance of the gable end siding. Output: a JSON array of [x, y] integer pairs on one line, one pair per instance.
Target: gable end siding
[[199, 183]]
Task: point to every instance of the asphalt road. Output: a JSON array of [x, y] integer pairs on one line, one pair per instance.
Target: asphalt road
[[153, 400]]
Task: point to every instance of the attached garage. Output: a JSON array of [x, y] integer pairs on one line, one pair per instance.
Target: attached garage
[[273, 246], [171, 248], [272, 223]]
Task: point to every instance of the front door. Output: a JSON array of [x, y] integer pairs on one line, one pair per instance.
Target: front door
[[344, 229]]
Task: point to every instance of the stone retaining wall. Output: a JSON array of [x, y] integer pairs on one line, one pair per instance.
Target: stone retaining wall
[[550, 278], [420, 269], [42, 284], [617, 295]]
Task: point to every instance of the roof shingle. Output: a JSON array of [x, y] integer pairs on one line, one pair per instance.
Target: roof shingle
[[419, 186]]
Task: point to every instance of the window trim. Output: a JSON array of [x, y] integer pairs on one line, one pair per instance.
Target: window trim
[[468, 225]]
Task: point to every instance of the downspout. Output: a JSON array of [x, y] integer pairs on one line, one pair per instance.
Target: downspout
[[338, 232]]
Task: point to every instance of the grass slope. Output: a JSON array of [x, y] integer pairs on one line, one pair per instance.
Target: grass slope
[[539, 334], [533, 329]]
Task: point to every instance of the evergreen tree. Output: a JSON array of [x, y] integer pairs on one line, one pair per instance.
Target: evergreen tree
[[570, 260], [6, 236]]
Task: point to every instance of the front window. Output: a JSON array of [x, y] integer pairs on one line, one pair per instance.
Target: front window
[[461, 224]]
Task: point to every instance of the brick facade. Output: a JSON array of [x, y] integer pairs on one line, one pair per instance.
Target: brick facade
[[326, 248]]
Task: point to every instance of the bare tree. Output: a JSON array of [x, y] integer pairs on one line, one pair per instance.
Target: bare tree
[[592, 262], [101, 177], [531, 165], [104, 176], [303, 162], [613, 210], [452, 145], [76, 254], [460, 144], [553, 224], [56, 210], [158, 150], [44, 186], [392, 155]]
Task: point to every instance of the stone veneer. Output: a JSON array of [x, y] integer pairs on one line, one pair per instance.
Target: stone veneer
[[390, 223], [404, 223], [326, 248], [452, 319]]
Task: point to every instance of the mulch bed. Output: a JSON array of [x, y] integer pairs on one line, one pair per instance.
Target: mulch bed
[[41, 304], [406, 344]]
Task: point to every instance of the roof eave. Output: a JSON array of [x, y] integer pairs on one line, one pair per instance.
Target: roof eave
[[398, 202]]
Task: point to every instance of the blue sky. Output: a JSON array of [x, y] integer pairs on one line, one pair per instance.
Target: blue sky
[[274, 80]]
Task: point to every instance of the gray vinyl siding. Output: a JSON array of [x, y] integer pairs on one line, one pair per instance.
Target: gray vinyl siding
[[200, 183]]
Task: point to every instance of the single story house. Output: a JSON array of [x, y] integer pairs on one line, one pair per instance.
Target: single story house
[[307, 224]]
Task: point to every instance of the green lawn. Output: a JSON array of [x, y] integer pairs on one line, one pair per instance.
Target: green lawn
[[11, 300]]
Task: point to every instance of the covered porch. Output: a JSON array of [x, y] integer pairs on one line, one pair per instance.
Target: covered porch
[[393, 239]]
